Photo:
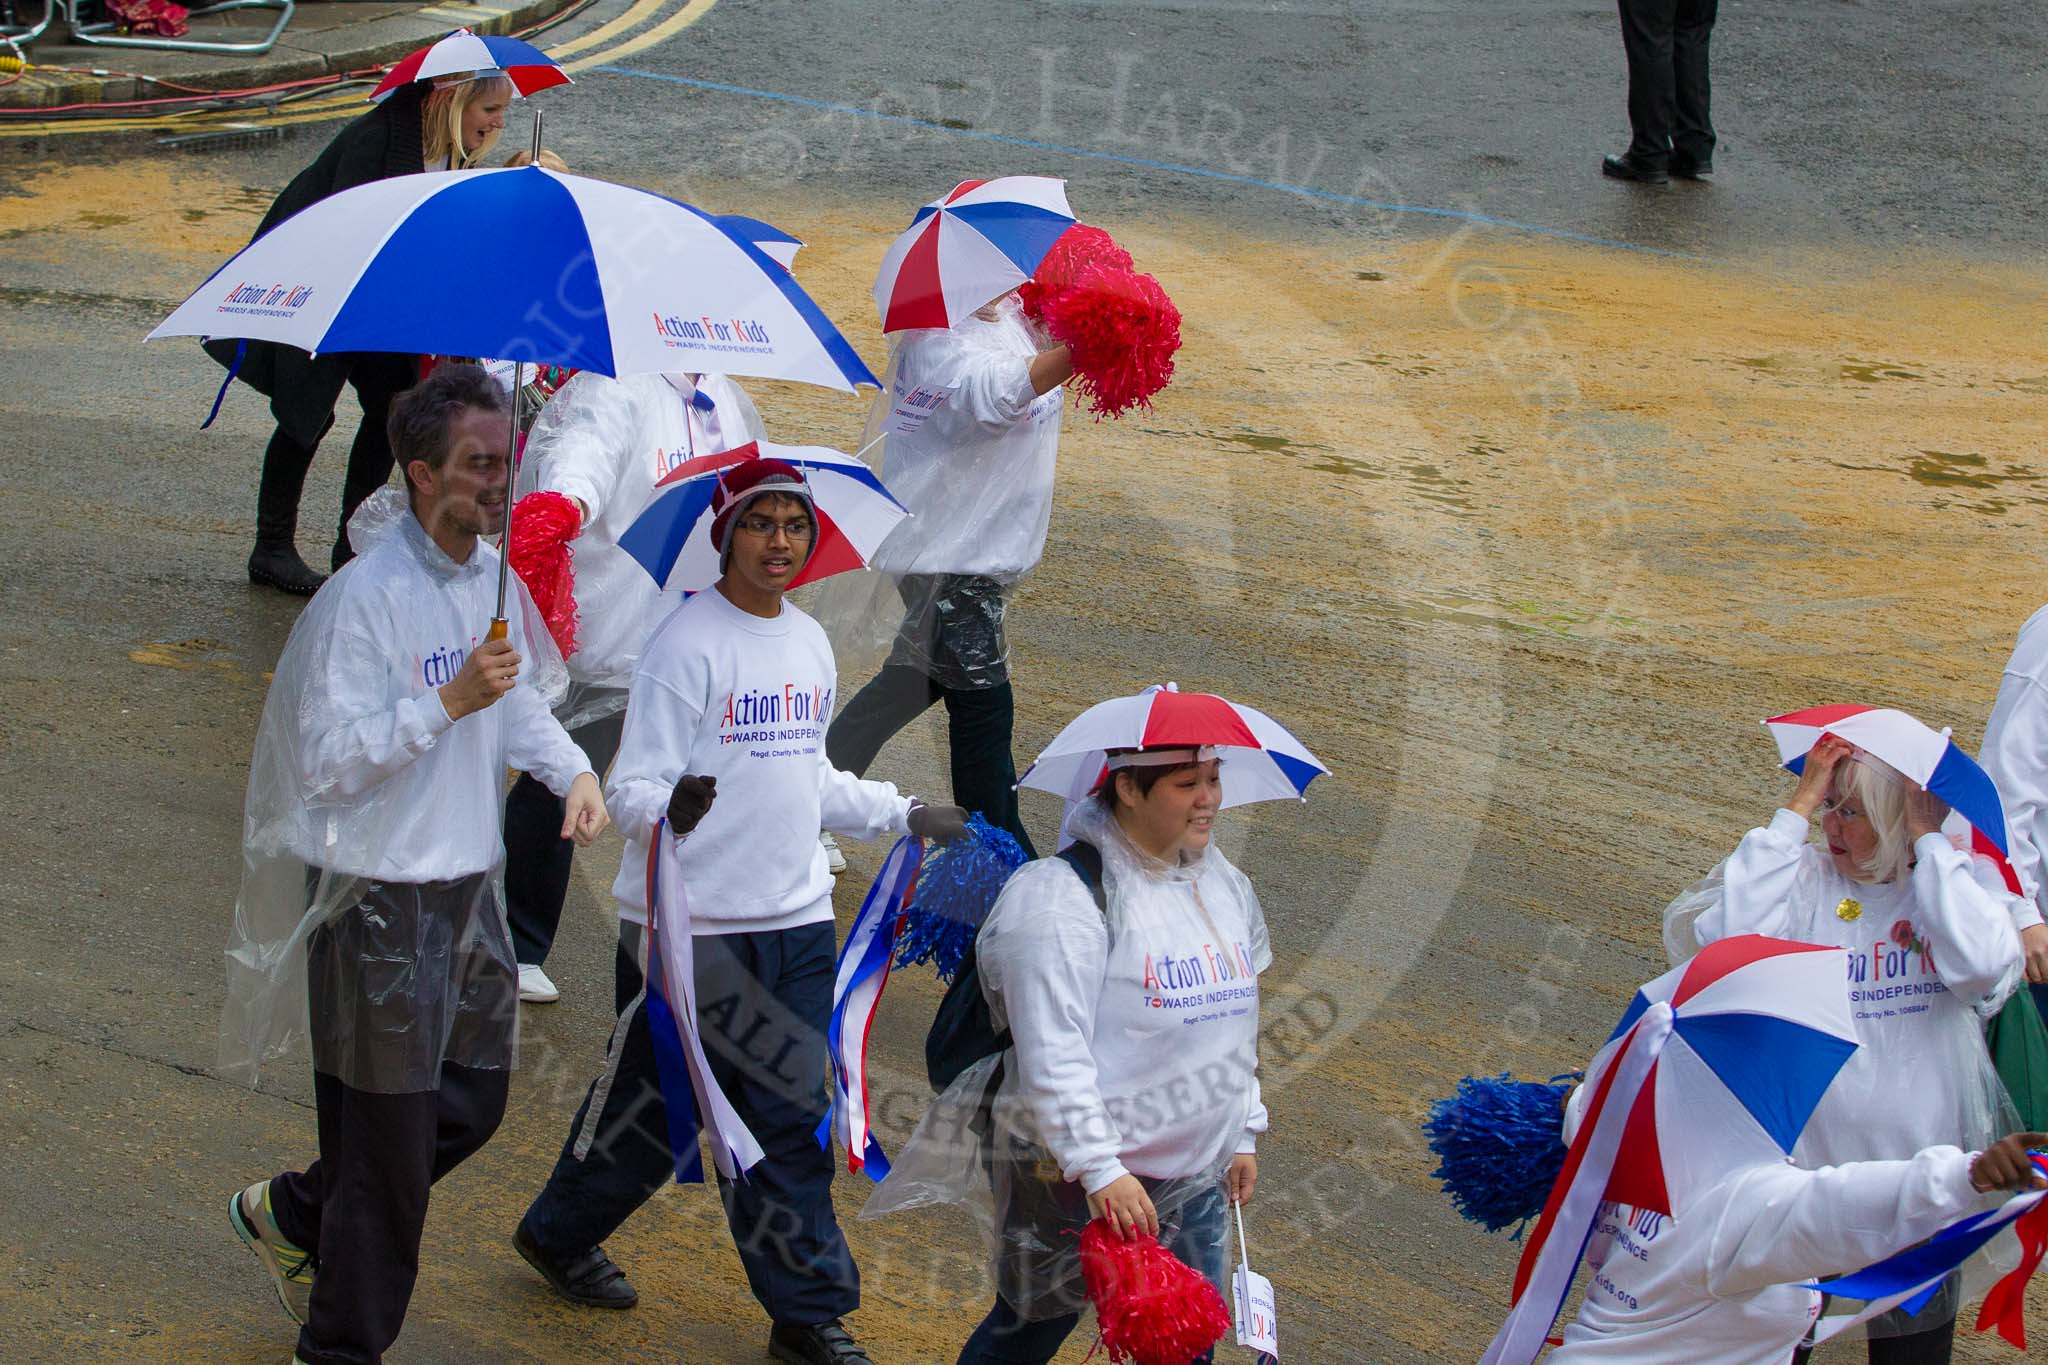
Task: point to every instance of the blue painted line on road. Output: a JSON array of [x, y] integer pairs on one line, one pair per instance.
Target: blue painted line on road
[[1203, 172]]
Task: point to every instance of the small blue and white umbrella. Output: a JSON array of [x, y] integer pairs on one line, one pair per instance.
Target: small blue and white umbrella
[[595, 275]]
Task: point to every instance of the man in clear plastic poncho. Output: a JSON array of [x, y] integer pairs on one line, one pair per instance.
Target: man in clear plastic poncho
[[603, 443], [976, 473], [371, 849]]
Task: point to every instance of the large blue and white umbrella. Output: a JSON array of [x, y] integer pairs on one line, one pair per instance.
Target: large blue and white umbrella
[[524, 265]]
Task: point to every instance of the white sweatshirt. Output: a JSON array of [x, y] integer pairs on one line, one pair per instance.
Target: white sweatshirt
[[726, 694], [605, 442], [1135, 1037], [1927, 955], [373, 730], [1719, 1283], [977, 477], [2015, 753]]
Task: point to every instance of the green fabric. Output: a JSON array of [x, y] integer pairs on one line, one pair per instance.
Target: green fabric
[[2019, 1049]]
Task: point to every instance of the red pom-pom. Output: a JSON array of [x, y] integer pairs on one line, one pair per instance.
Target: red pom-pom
[[543, 524], [1151, 1307], [1079, 247], [1122, 332]]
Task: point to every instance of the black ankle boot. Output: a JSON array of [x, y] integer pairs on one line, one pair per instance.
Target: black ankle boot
[[272, 565]]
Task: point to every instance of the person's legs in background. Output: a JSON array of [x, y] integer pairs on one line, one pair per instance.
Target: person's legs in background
[[275, 562], [377, 379], [1646, 39], [1692, 128], [980, 722], [1003, 1338], [538, 859]]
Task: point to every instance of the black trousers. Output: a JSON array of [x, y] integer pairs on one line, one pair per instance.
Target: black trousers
[[377, 379], [763, 1002], [1668, 90], [537, 857], [361, 1207], [979, 721]]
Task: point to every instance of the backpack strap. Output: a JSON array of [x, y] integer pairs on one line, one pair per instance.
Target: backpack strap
[[1086, 860]]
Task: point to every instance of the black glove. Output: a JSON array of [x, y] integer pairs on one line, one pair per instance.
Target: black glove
[[688, 802], [942, 823]]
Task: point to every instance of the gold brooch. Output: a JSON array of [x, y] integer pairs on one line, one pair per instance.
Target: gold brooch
[[1849, 909]]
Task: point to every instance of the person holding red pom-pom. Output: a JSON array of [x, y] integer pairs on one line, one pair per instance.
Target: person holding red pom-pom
[[601, 444], [977, 476], [1128, 1095]]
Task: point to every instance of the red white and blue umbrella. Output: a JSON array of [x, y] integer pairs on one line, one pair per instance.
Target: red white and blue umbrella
[[527, 66], [1715, 1065], [976, 244], [672, 538], [1261, 761], [1922, 754], [596, 276]]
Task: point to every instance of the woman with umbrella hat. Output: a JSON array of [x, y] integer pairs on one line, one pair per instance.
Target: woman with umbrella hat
[[448, 123], [1127, 980], [1931, 939]]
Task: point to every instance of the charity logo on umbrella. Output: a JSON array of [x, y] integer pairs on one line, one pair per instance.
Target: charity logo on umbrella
[[598, 277]]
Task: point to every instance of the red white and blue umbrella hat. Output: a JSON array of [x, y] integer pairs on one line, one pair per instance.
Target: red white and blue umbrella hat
[[673, 541], [1260, 760], [1919, 752], [973, 245], [1716, 1065], [528, 68]]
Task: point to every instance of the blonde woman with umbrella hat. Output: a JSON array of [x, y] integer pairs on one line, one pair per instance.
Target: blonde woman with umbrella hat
[[448, 125]]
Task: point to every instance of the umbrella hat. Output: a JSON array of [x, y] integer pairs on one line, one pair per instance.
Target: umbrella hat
[[974, 244], [1261, 760], [1715, 1066], [672, 539], [597, 277], [1921, 753], [528, 68]]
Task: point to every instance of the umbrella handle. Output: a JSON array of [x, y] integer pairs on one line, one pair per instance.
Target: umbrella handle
[[499, 629]]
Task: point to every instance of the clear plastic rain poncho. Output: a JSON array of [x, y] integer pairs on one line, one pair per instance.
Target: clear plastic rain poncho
[[1136, 1052], [1931, 957], [372, 833], [606, 442], [970, 450]]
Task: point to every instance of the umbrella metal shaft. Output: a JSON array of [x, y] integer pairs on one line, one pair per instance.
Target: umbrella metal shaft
[[499, 628]]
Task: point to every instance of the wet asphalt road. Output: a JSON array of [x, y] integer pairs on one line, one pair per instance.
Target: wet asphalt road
[[127, 698]]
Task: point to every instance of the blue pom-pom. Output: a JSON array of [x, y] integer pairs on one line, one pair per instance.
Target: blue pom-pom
[[1501, 1144], [955, 888]]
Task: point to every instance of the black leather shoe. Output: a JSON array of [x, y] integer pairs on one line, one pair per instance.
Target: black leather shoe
[[592, 1279], [824, 1343], [1626, 167], [279, 566], [1685, 168]]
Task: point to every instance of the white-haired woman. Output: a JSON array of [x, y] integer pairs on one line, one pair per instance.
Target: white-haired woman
[[448, 125], [1932, 952]]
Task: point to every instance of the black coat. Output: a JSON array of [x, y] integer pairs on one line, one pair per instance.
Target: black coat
[[302, 388]]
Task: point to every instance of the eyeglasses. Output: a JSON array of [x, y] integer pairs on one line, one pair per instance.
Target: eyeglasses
[[766, 527], [1842, 809]]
